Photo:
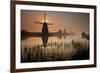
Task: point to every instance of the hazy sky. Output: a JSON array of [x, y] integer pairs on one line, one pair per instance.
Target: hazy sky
[[71, 21], [74, 22]]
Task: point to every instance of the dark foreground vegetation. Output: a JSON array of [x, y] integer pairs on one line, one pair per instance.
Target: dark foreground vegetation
[[61, 51]]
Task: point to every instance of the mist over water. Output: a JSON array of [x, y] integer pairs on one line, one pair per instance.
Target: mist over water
[[31, 41]]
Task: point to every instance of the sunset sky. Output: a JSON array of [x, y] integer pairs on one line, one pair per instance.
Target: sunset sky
[[75, 22], [71, 21]]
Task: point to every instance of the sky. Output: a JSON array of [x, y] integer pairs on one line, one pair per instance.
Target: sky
[[71, 21]]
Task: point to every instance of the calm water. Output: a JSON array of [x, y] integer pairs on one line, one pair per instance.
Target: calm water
[[31, 41], [71, 48]]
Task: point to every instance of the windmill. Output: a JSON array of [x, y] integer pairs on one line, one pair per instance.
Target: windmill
[[45, 31]]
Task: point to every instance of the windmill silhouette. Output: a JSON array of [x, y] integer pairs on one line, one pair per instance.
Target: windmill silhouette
[[45, 34], [45, 31]]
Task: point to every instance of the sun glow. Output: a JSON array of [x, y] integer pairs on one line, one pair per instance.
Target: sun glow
[[45, 21]]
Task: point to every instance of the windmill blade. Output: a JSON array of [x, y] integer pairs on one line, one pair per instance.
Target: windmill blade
[[44, 17], [39, 22], [49, 23]]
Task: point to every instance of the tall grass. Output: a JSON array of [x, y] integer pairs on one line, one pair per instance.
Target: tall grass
[[57, 51]]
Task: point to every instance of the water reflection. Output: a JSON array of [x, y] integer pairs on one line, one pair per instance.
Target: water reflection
[[71, 48]]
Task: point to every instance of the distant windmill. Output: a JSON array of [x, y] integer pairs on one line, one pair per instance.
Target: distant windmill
[[85, 36]]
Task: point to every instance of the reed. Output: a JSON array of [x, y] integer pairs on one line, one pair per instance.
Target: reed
[[56, 51]]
